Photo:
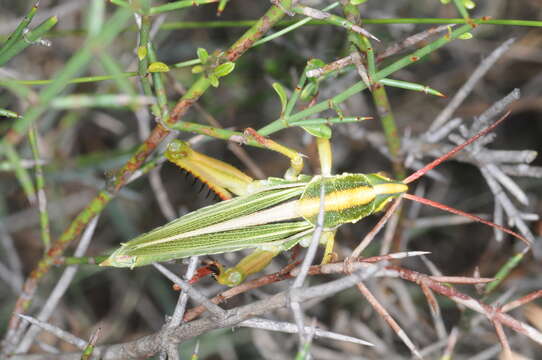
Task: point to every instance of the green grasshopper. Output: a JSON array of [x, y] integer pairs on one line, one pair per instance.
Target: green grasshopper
[[270, 215]]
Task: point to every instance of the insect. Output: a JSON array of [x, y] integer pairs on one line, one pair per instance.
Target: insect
[[270, 215]]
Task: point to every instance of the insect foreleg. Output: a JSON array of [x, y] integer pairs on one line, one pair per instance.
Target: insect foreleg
[[296, 159]]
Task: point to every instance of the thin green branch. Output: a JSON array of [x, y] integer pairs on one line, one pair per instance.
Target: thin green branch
[[27, 39], [143, 64], [18, 32], [40, 187], [411, 86], [176, 5], [293, 25], [392, 21], [459, 4], [21, 173], [9, 114], [378, 92], [504, 272], [101, 100], [237, 136], [159, 88], [359, 86], [112, 67], [78, 80]]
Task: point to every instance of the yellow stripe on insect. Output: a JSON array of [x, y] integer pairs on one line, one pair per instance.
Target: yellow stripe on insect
[[337, 201], [390, 189]]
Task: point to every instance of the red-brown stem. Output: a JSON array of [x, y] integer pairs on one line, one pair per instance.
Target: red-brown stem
[[454, 151], [522, 300], [465, 214], [506, 350]]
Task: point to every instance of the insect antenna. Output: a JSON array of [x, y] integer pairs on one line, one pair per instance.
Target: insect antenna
[[436, 162], [419, 173]]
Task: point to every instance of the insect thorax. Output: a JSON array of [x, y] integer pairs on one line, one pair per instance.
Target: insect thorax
[[347, 197]]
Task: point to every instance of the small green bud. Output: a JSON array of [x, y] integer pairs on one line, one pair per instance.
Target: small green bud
[[213, 80], [224, 69], [157, 66], [203, 55], [141, 52], [197, 69]]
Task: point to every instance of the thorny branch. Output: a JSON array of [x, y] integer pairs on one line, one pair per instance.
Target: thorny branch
[[149, 345]]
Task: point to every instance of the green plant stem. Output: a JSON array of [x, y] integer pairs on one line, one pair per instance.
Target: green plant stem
[[40, 187], [383, 108], [21, 173], [176, 5], [159, 88], [411, 86], [378, 92], [330, 18], [359, 86], [293, 25], [18, 32], [461, 9], [225, 134], [79, 80], [143, 63], [430, 21], [25, 41], [295, 95], [101, 100], [246, 23], [9, 114], [121, 3], [186, 63], [503, 272], [112, 66], [187, 25]]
